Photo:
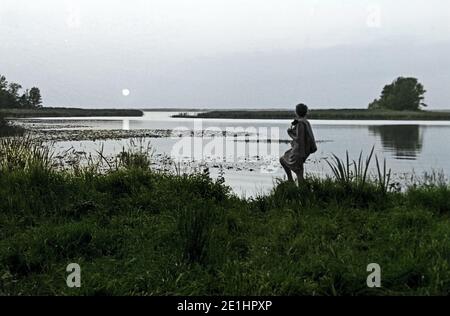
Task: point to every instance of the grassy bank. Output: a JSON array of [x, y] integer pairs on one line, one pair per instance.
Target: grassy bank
[[344, 114], [138, 232], [67, 112]]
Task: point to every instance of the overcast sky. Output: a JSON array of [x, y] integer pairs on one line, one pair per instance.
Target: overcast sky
[[224, 53]]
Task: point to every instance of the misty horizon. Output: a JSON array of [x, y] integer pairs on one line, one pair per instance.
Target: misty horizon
[[224, 54]]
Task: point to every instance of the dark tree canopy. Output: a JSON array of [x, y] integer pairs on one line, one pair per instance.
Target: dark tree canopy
[[35, 97], [403, 94], [10, 96]]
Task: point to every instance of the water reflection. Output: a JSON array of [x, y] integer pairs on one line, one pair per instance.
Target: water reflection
[[405, 141]]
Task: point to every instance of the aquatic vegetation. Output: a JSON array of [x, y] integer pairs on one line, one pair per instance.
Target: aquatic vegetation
[[356, 172], [8, 130], [24, 153], [136, 155]]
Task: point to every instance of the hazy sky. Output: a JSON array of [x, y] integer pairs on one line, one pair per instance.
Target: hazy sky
[[224, 53]]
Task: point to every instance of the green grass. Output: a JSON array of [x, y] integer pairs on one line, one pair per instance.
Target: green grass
[[135, 231], [67, 112], [343, 114]]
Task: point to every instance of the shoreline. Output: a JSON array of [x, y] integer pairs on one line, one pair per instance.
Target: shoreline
[[331, 114], [68, 112]]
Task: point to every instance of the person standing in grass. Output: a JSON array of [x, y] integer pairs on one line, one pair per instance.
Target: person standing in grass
[[303, 144]]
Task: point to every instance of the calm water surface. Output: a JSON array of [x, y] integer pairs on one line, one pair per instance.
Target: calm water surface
[[409, 147]]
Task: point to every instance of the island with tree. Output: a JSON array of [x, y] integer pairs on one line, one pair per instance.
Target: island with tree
[[404, 94], [400, 100]]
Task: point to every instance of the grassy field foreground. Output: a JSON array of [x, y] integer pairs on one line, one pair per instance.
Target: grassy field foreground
[[137, 232]]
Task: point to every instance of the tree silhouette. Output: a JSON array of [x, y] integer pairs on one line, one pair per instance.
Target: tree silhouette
[[403, 94], [14, 89], [35, 97], [10, 95]]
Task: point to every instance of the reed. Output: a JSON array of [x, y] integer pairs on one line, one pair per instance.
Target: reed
[[136, 155], [357, 172], [24, 153], [384, 176]]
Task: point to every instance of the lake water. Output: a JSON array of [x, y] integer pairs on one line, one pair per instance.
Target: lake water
[[408, 147]]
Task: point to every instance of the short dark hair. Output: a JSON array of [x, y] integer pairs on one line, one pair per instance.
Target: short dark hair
[[301, 109]]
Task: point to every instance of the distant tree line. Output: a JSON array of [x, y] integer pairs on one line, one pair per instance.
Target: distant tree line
[[404, 94], [11, 96]]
